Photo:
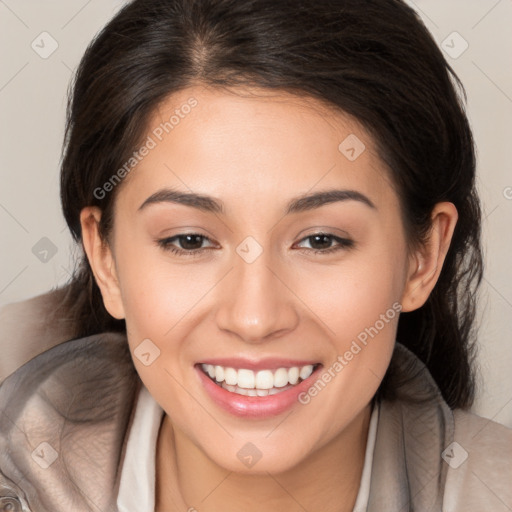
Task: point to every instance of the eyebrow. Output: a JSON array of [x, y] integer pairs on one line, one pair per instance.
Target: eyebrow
[[296, 205]]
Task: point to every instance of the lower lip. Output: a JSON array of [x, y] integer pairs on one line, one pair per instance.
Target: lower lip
[[255, 406]]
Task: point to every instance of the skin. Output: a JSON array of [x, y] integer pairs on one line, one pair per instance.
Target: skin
[[256, 151]]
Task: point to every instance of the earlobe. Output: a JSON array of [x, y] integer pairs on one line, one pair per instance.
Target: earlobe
[[101, 261], [427, 261]]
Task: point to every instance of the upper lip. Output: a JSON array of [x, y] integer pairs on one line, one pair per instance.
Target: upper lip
[[269, 363]]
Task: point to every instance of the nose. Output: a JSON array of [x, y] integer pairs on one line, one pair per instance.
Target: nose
[[256, 304]]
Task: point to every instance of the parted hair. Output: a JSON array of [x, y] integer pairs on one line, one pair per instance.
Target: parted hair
[[373, 59]]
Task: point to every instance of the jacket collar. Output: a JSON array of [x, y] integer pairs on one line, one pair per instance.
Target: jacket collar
[[63, 424], [408, 472], [62, 438]]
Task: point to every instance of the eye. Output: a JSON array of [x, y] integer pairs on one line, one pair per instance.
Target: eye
[[190, 244], [321, 243]]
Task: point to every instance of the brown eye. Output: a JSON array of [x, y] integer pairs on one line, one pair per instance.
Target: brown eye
[[189, 244], [323, 243], [320, 241]]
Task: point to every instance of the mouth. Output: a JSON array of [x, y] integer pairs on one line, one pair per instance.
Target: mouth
[[257, 383]]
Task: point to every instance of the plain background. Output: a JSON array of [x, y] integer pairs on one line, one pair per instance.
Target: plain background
[[32, 104]]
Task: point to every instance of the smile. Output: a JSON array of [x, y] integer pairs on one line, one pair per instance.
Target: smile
[[257, 383]]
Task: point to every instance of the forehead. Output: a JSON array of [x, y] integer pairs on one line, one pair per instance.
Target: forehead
[[253, 143]]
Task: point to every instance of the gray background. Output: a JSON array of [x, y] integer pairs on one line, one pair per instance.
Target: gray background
[[32, 104]]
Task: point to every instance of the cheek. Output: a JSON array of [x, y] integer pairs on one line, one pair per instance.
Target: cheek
[[155, 292], [351, 296], [358, 305], [157, 298], [362, 317], [347, 299]]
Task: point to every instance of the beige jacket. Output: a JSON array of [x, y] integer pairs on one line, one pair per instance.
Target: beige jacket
[[65, 417]]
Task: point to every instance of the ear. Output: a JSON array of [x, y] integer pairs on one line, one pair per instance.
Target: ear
[[101, 260], [426, 262]]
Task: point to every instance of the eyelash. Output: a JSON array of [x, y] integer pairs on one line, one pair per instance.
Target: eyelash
[[165, 243]]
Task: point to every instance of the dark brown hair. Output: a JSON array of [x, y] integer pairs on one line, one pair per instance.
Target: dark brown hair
[[374, 60]]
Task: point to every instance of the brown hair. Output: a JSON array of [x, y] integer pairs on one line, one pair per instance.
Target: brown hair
[[374, 60]]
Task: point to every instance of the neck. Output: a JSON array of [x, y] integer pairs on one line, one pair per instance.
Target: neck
[[327, 480]]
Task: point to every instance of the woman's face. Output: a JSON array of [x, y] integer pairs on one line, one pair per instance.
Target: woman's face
[[275, 278]]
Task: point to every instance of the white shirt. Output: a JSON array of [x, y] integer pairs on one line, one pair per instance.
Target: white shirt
[[137, 486]]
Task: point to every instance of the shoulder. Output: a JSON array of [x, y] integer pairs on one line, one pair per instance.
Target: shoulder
[[30, 327], [64, 420], [430, 457], [75, 366], [480, 465]]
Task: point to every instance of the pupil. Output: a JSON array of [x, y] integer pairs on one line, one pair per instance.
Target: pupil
[[188, 244], [325, 238]]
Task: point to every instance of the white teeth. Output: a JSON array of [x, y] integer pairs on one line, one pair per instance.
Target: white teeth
[[231, 376], [262, 382], [246, 379], [264, 379], [306, 371], [280, 378], [211, 371], [293, 375], [219, 373]]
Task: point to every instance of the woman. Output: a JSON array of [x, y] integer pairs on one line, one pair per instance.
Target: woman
[[274, 308]]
